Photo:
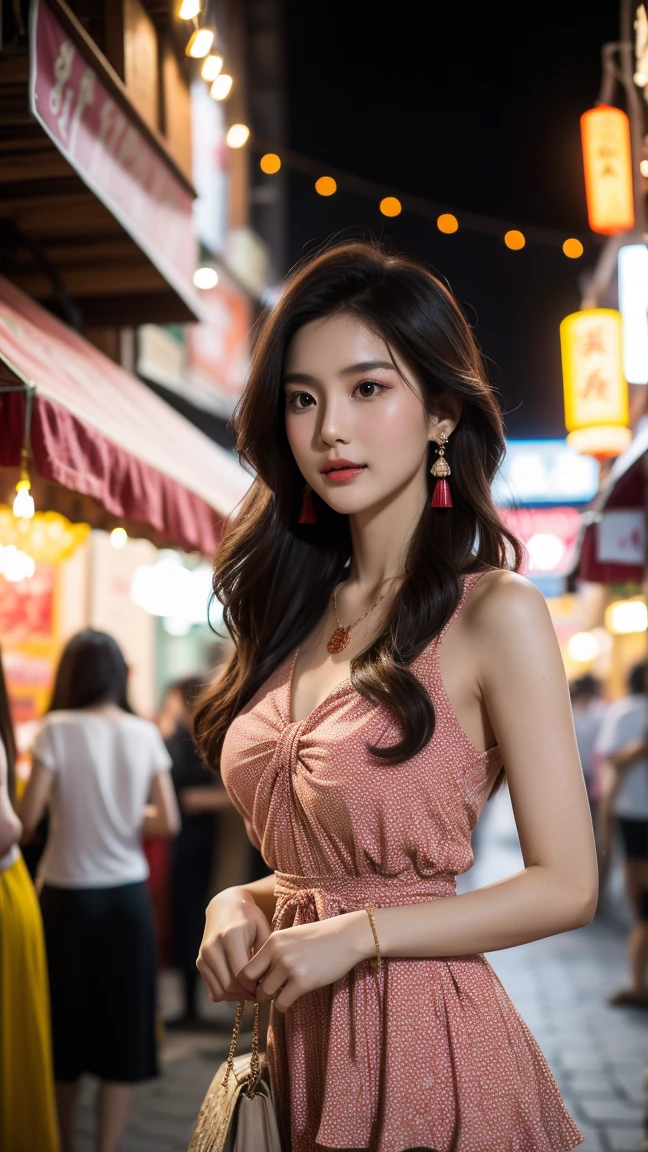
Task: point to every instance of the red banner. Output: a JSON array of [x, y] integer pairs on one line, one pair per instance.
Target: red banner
[[111, 153]]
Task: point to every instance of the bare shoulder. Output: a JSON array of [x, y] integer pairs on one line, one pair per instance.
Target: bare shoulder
[[506, 606]]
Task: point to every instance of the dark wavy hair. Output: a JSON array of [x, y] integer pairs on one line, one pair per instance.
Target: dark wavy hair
[[92, 670], [275, 577]]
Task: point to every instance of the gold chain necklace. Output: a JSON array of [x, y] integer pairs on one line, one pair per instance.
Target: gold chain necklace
[[341, 636]]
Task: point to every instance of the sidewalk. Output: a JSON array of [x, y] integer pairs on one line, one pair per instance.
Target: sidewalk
[[559, 985]]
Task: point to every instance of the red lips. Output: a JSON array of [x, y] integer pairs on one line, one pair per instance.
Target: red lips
[[339, 463]]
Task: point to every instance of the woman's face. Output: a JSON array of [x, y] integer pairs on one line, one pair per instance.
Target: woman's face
[[345, 401]]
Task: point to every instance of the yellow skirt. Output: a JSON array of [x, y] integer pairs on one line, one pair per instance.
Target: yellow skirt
[[27, 1108]]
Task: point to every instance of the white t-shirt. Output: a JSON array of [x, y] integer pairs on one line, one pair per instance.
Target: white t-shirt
[[103, 765], [626, 720]]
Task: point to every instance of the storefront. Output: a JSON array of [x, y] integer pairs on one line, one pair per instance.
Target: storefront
[[104, 453]]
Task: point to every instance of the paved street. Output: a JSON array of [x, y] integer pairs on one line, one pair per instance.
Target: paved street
[[596, 1053]]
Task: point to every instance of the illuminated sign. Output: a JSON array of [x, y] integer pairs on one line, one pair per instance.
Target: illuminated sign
[[544, 472], [607, 159], [595, 390]]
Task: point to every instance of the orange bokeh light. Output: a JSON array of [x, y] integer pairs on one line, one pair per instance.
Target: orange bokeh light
[[573, 248], [390, 206], [447, 223], [325, 186], [514, 240], [270, 163]]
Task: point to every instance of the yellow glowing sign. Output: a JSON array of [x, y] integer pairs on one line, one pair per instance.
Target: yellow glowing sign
[[595, 391], [607, 159]]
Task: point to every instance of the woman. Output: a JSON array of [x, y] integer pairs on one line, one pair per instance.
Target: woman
[[27, 1109], [199, 799], [97, 765], [623, 744], [387, 665]]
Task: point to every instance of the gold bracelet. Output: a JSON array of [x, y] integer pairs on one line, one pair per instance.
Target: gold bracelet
[[376, 962]]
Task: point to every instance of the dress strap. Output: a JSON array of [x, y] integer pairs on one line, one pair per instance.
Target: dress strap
[[469, 581]]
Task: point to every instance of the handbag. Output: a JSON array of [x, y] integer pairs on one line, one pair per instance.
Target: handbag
[[237, 1114]]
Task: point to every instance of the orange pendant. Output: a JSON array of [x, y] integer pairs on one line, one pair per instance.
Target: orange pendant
[[339, 640]]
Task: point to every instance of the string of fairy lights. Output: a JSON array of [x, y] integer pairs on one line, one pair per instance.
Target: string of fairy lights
[[206, 45]]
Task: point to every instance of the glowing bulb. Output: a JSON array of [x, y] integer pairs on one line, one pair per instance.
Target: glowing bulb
[[643, 167], [211, 67], [221, 87], [118, 537], [514, 240], [15, 565], [583, 647], [573, 248], [23, 505], [325, 186], [205, 278], [237, 136], [546, 550], [447, 223], [189, 9], [200, 43], [270, 163], [390, 206], [625, 616], [640, 79]]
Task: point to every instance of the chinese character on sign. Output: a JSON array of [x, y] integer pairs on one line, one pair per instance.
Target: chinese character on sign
[[595, 387], [593, 341]]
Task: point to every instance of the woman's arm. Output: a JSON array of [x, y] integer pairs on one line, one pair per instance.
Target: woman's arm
[[519, 670], [627, 755], [35, 797], [161, 816]]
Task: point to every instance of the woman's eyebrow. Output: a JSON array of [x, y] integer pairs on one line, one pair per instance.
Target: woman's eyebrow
[[352, 370]]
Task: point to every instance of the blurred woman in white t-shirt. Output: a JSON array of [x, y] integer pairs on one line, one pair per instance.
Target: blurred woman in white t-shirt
[[104, 773]]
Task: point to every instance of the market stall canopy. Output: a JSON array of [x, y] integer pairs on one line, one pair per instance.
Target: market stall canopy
[[100, 432], [96, 212], [613, 545]]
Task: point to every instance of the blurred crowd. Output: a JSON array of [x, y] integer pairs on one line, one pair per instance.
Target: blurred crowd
[[108, 860]]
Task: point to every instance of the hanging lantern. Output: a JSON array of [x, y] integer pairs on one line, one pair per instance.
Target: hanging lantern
[[596, 393], [633, 306], [607, 158]]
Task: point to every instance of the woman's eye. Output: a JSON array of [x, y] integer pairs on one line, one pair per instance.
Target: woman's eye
[[369, 389], [300, 400]]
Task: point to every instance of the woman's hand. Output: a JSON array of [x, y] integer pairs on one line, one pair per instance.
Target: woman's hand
[[298, 960], [234, 926]]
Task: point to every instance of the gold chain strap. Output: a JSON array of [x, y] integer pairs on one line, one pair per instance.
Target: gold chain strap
[[255, 1059]]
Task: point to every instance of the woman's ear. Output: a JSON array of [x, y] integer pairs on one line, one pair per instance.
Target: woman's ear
[[445, 417]]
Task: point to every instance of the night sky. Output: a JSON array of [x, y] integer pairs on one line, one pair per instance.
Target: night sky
[[479, 110]]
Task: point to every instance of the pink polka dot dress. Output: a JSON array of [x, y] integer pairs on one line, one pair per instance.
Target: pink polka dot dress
[[426, 1053]]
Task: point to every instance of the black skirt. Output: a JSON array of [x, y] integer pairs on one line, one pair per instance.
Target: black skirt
[[102, 972]]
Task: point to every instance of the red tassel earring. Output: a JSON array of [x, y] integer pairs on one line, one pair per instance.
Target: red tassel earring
[[441, 497], [307, 513]]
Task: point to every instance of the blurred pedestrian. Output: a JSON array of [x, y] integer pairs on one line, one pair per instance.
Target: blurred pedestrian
[[27, 1107], [588, 709], [200, 797], [97, 764], [623, 743]]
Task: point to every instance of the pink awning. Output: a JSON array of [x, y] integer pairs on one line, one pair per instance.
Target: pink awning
[[100, 432]]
